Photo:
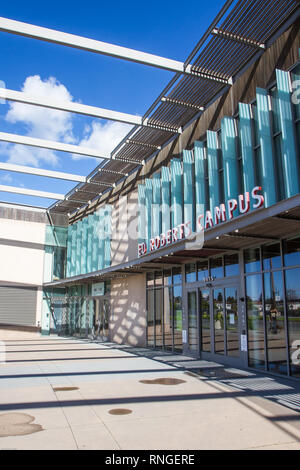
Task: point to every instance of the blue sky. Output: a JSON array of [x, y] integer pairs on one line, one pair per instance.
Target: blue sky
[[167, 28]]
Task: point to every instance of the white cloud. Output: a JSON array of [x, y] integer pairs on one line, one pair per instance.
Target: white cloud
[[43, 123], [6, 178], [104, 137]]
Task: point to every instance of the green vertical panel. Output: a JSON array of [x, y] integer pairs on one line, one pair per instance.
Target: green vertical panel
[[73, 250], [213, 170], [265, 137], [84, 245], [107, 236], [189, 188], [230, 168], [142, 213], [69, 250], [176, 192], [156, 207], [101, 236], [148, 203], [78, 247], [289, 157], [95, 241], [245, 130], [89, 244], [200, 192], [165, 200]]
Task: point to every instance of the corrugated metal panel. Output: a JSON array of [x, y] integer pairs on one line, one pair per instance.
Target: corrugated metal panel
[[18, 306]]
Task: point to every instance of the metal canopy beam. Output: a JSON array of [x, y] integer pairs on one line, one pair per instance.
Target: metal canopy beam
[[59, 146], [182, 103], [70, 106], [31, 192], [39, 172], [86, 44], [237, 38]]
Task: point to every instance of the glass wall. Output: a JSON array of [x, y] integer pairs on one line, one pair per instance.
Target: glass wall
[[164, 309], [272, 281]]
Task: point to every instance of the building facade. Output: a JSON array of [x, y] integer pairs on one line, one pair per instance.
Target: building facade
[[199, 251]]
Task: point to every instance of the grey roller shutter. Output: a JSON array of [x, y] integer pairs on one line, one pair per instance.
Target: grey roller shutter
[[18, 306]]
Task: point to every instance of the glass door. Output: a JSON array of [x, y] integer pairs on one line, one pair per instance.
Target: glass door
[[204, 320], [193, 336]]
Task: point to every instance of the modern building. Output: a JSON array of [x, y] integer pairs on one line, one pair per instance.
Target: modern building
[[188, 238]]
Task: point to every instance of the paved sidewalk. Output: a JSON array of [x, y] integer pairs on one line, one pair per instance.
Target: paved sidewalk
[[62, 393]]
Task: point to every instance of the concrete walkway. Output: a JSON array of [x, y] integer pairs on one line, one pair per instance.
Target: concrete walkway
[[61, 393]]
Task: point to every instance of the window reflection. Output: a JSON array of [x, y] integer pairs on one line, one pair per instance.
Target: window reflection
[[275, 323], [192, 321], [231, 263], [271, 256], [252, 260], [291, 251], [216, 267], [190, 272], [256, 345], [293, 311], [177, 302], [202, 268]]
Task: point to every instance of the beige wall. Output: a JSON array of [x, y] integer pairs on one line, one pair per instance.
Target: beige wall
[[21, 251], [128, 310], [124, 229]]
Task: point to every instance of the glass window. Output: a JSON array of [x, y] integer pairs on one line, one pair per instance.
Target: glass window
[[216, 267], [232, 330], [275, 111], [291, 251], [252, 260], [59, 263], [202, 268], [192, 321], [177, 303], [177, 276], [190, 272], [271, 256], [158, 278], [150, 279], [168, 318], [219, 321], [293, 311], [256, 344], [275, 322], [167, 277], [205, 321], [231, 263], [159, 306], [150, 318]]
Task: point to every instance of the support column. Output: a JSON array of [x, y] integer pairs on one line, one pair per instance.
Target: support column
[[142, 213]]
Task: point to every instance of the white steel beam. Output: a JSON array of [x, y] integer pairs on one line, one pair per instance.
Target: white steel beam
[[31, 192], [59, 146], [70, 106], [86, 44], [39, 172]]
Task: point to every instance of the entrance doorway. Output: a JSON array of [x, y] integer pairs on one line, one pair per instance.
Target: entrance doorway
[[213, 321], [101, 311]]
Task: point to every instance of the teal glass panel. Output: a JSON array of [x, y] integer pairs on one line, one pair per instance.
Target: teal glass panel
[[176, 192], [156, 207], [101, 236], [107, 236], [84, 245], [230, 166], [189, 189], [69, 250], [200, 184], [213, 170], [95, 241], [265, 137], [73, 250], [148, 202], [89, 243], [165, 199], [245, 130], [78, 248], [289, 157]]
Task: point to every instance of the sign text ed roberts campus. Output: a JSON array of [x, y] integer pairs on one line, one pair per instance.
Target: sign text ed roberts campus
[[205, 221]]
